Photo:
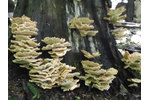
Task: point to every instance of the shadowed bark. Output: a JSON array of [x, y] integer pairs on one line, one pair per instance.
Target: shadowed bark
[[130, 10]]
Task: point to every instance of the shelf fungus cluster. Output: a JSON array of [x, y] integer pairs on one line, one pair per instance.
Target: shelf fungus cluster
[[89, 55], [119, 33], [24, 46], [52, 73], [94, 75], [114, 16], [97, 77], [46, 73], [57, 46], [83, 25], [133, 61]]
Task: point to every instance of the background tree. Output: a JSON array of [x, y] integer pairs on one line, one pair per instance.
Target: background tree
[[53, 18], [130, 10]]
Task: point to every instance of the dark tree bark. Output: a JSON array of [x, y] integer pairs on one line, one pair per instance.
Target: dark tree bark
[[53, 18], [130, 10], [11, 6]]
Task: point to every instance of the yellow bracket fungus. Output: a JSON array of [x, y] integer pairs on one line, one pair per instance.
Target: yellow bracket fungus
[[88, 55], [52, 73], [46, 73], [97, 77], [114, 16], [119, 33], [135, 82], [63, 76], [24, 46], [83, 25], [58, 46], [133, 61]]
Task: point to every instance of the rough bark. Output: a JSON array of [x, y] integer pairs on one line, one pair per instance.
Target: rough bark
[[53, 18]]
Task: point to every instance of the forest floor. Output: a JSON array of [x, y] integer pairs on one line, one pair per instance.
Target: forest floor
[[19, 90]]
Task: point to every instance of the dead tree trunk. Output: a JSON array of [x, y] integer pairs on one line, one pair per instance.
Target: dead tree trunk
[[53, 18]]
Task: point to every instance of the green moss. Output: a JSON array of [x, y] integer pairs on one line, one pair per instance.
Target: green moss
[[78, 0], [34, 90], [77, 97]]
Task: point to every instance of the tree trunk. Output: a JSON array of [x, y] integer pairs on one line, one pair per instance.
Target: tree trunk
[[53, 18], [130, 10]]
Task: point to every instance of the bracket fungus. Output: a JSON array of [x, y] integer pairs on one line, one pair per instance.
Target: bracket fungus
[[89, 56], [135, 82], [58, 46], [97, 77], [52, 73], [24, 46], [83, 25], [114, 16], [133, 61], [119, 33], [46, 73], [61, 72]]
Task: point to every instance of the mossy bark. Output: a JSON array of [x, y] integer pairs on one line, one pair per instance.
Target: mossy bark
[[53, 18]]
